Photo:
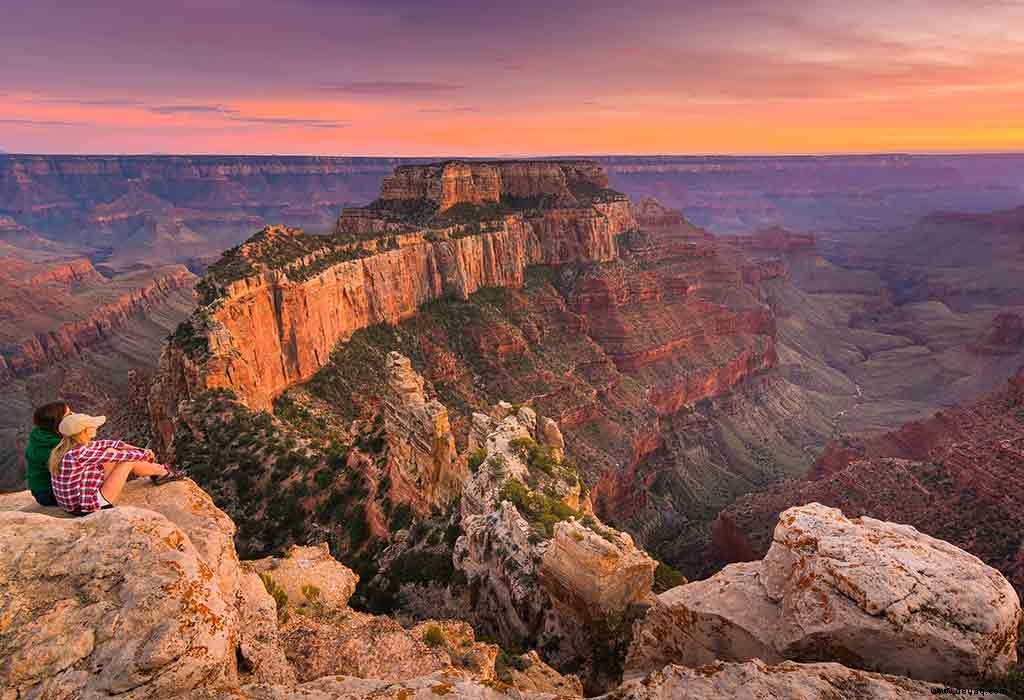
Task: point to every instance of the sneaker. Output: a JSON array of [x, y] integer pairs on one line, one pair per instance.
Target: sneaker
[[171, 475]]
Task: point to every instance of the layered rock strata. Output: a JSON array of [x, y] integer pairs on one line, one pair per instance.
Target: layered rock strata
[[423, 464], [871, 594], [68, 340], [282, 302]]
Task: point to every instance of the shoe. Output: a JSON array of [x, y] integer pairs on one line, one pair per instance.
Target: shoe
[[171, 475]]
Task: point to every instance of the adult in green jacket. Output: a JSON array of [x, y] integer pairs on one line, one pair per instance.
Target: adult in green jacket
[[41, 441]]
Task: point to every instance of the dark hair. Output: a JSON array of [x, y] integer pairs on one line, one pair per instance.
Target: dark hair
[[48, 416]]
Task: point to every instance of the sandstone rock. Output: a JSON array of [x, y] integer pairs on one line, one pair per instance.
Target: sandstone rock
[[261, 656], [302, 567], [594, 574], [530, 673], [352, 643], [119, 602], [785, 681], [423, 464], [550, 436], [870, 594]]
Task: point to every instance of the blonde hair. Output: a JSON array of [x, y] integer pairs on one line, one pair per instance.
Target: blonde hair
[[66, 444]]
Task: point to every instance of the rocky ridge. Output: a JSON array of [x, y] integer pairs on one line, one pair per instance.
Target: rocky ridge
[[149, 600], [274, 309], [68, 340]]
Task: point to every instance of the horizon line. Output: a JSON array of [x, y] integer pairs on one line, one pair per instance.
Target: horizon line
[[821, 154]]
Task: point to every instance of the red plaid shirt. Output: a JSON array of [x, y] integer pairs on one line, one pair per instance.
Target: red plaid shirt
[[76, 485]]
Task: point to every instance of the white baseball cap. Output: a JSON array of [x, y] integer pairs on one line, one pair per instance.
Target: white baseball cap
[[74, 423]]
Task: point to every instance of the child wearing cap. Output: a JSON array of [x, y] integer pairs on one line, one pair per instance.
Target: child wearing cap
[[89, 474]]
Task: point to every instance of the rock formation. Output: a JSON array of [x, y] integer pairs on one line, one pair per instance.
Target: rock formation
[[275, 308], [423, 465], [149, 600], [868, 593], [540, 566]]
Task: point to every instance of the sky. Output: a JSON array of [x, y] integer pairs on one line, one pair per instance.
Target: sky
[[525, 77]]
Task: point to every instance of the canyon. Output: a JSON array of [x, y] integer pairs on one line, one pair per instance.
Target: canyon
[[478, 433]]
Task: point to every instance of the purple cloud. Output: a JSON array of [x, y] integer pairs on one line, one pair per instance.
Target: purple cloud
[[393, 88]]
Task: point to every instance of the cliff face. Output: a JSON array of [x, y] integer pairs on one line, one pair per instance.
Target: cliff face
[[276, 324], [67, 341], [455, 182]]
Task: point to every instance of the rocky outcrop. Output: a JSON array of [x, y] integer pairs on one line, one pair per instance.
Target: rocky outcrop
[[964, 459], [539, 565], [148, 600], [755, 679], [595, 574], [303, 569], [69, 340], [871, 594], [477, 182], [445, 184], [423, 465], [120, 602]]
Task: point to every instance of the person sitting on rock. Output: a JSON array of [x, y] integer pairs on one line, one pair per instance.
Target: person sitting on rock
[[89, 474], [41, 441]]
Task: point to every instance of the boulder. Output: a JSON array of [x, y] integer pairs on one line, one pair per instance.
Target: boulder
[[870, 594], [529, 672], [310, 575], [356, 644], [595, 573], [784, 681], [116, 603]]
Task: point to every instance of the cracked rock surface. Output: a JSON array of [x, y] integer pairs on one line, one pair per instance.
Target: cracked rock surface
[[867, 593]]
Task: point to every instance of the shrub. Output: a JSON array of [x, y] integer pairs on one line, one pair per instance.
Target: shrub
[[279, 596], [433, 636], [665, 577], [356, 526], [401, 517], [476, 458], [541, 511]]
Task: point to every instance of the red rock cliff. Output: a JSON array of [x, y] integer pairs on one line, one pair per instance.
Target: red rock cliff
[[68, 340], [278, 325]]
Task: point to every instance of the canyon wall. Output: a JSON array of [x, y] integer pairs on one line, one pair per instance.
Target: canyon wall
[[278, 323], [68, 340]]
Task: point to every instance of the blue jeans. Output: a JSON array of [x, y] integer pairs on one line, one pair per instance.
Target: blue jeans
[[44, 498]]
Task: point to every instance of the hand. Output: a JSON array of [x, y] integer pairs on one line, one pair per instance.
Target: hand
[[150, 455]]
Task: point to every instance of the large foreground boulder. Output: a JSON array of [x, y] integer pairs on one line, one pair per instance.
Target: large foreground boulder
[[117, 603], [784, 681], [866, 593], [718, 681]]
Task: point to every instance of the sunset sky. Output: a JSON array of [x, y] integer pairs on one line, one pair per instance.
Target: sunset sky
[[524, 77]]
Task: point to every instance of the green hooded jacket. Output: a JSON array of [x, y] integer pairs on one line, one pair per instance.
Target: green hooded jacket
[[37, 456]]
